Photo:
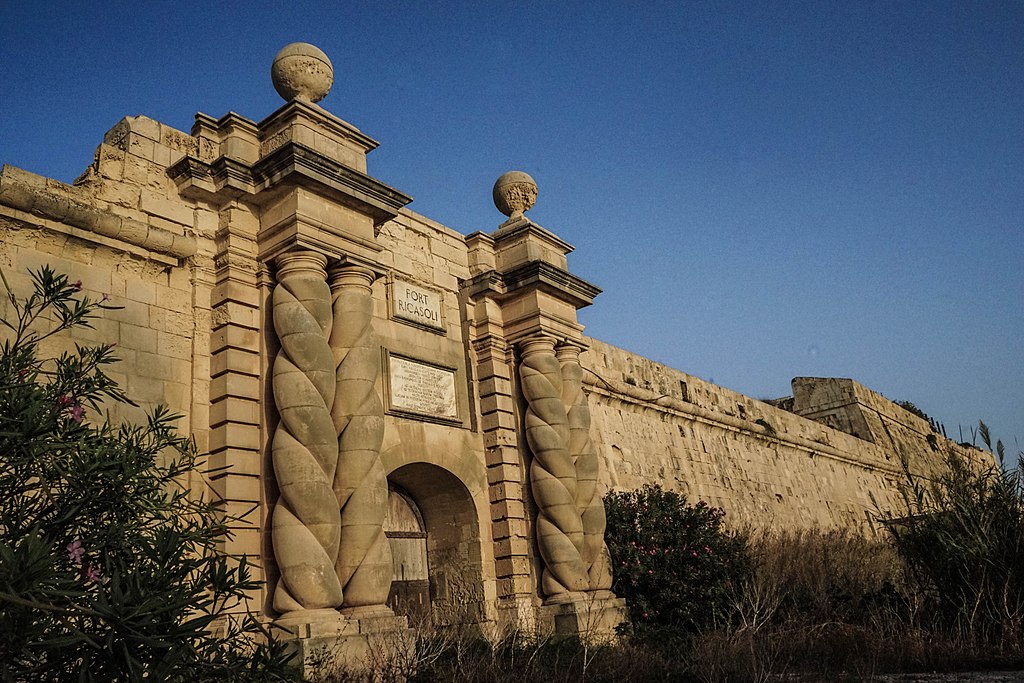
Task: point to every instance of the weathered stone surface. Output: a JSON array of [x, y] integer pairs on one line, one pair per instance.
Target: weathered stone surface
[[302, 71], [514, 193], [256, 266], [306, 524]]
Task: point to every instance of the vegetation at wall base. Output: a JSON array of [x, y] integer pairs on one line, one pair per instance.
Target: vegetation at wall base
[[963, 538], [110, 568], [674, 563]]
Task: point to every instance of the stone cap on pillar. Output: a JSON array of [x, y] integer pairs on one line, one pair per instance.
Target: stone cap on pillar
[[523, 241], [524, 268], [302, 168]]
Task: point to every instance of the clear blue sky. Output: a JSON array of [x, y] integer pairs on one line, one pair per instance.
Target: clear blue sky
[[763, 190]]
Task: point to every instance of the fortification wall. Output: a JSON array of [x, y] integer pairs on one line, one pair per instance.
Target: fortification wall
[[125, 241], [767, 467], [447, 353]]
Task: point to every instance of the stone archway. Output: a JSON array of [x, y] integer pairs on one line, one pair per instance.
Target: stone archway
[[407, 534], [435, 498]]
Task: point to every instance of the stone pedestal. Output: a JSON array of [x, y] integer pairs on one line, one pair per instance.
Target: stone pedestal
[[592, 617], [379, 645]]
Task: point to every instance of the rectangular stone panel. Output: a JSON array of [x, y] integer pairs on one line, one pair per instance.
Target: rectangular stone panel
[[422, 389], [417, 305]]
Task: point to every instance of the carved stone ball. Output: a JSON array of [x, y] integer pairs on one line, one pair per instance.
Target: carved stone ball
[[514, 192], [302, 72]]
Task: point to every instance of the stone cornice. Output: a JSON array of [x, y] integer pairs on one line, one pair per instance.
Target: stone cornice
[[556, 281], [512, 229], [489, 282], [560, 283], [356, 189], [321, 118], [292, 163]]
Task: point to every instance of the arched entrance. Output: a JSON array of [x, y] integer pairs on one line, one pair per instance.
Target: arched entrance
[[407, 534], [432, 525]]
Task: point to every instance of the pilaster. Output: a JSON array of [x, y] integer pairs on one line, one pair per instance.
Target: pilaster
[[235, 370], [495, 379]]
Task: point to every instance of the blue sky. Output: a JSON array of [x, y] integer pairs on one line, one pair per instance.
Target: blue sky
[[763, 190]]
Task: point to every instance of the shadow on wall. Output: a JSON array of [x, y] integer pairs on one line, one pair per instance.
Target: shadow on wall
[[435, 538]]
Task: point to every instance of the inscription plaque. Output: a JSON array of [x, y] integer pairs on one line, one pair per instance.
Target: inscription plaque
[[416, 304], [421, 388]]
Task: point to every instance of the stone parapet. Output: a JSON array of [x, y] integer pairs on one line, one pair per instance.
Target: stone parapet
[[72, 206]]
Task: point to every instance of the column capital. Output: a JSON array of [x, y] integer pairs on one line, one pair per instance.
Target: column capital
[[299, 260], [536, 343], [345, 274], [570, 349]]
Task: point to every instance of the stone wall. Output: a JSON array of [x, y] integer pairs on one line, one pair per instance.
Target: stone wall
[[324, 343], [158, 318], [767, 467]]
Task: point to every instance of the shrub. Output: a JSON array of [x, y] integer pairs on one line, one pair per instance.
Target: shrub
[[109, 567], [963, 536], [673, 562]]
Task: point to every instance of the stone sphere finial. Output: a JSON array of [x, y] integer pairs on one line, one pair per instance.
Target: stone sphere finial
[[302, 72], [514, 193]]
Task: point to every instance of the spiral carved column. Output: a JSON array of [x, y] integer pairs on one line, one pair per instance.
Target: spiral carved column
[[559, 529], [305, 524], [589, 504], [363, 564]]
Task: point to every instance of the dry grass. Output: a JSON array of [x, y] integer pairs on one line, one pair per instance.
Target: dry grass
[[817, 606], [835, 606]]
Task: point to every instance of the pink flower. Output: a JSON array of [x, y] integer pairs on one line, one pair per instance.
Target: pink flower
[[64, 400], [75, 552], [77, 413], [77, 285], [106, 297], [92, 573]]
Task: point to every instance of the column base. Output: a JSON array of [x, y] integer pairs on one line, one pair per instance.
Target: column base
[[327, 643], [592, 617]]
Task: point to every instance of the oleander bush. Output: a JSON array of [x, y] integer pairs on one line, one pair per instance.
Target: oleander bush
[[109, 565], [675, 563]]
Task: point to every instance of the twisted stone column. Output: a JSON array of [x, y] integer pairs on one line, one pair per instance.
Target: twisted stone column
[[553, 482], [305, 524], [364, 561], [589, 504]]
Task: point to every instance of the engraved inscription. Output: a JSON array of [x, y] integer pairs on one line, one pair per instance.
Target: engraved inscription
[[421, 388], [416, 304]]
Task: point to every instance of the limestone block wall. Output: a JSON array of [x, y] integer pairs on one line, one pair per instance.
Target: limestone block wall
[[124, 230], [160, 320], [853, 408], [191, 266], [767, 467]]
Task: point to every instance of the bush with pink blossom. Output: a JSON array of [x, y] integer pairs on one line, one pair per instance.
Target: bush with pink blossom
[[672, 561], [110, 568]]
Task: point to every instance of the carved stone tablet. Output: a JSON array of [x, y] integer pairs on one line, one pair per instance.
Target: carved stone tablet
[[416, 304], [421, 388]]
